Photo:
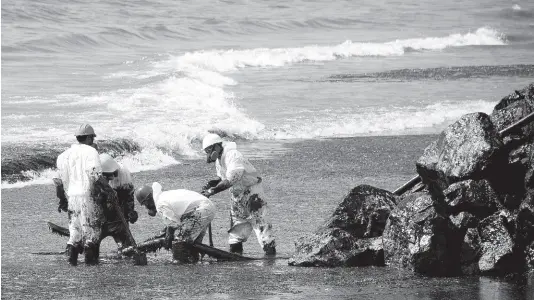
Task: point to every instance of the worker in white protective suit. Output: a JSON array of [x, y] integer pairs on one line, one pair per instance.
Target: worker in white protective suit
[[78, 169], [248, 209], [186, 215], [120, 179]]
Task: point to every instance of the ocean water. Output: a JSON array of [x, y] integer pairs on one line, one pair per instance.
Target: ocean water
[[153, 77]]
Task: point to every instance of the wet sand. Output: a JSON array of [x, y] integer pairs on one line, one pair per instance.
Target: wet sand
[[304, 181]]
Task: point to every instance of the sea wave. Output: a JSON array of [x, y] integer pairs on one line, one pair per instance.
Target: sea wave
[[232, 60]]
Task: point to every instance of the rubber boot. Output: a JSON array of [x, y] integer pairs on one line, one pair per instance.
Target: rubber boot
[[183, 253], [236, 248], [72, 255], [270, 248], [91, 253]]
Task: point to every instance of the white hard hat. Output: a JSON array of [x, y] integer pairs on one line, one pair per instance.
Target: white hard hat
[[85, 129], [109, 165], [210, 139]]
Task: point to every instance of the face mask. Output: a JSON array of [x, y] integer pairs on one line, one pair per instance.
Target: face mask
[[212, 157]]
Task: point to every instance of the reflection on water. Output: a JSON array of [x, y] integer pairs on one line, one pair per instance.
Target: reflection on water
[[519, 288]]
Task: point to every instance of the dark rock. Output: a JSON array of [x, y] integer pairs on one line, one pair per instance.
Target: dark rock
[[522, 159], [346, 238], [334, 247], [418, 238], [465, 150], [475, 197], [513, 178], [524, 223], [529, 252], [496, 246], [363, 212], [470, 253], [511, 109], [464, 220], [516, 96]]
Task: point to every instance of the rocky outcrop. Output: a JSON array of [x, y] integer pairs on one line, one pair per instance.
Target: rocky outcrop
[[471, 213], [479, 178], [352, 235]]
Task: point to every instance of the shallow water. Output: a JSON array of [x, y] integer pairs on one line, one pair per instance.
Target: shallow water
[[303, 186]]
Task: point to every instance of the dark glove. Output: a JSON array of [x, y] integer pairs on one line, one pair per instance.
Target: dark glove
[[211, 183], [206, 193], [169, 237], [132, 216], [63, 205]]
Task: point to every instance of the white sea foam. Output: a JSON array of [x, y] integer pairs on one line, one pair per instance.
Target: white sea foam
[[231, 60], [383, 121], [516, 7]]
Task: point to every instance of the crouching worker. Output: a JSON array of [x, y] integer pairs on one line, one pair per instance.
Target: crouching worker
[[120, 179], [186, 215]]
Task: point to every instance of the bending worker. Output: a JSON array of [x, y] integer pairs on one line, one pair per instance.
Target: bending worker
[[120, 179], [248, 208], [79, 168], [186, 215]]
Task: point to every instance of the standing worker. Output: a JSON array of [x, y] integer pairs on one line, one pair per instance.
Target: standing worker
[[120, 179], [248, 208], [79, 168], [186, 215]]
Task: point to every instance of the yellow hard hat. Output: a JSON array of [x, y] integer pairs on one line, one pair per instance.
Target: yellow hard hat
[[210, 139], [85, 129], [109, 165]]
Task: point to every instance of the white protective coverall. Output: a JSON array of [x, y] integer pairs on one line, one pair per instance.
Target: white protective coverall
[[79, 167], [249, 208], [188, 211]]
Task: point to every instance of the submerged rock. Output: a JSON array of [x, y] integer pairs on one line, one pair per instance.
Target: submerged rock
[[351, 236]]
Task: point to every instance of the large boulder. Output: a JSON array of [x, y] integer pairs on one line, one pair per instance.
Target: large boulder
[[351, 236], [363, 212], [464, 150], [418, 238], [334, 247], [476, 197]]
